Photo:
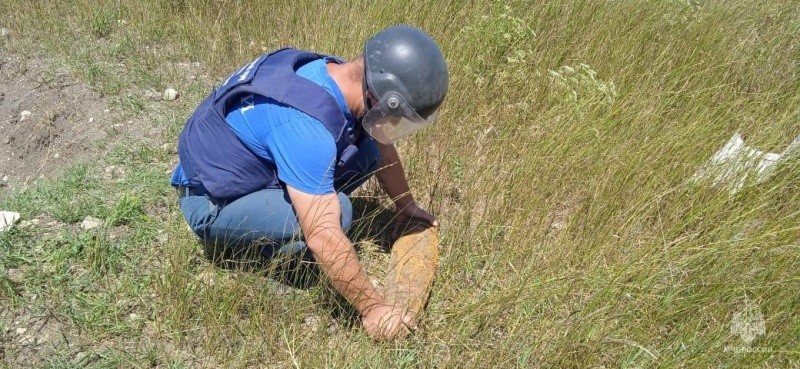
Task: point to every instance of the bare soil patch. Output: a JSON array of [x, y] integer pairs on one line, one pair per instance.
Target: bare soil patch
[[29, 337], [48, 120]]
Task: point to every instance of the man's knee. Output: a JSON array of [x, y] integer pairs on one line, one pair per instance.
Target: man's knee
[[198, 212]]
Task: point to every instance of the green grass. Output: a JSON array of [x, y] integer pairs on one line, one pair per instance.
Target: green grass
[[558, 170]]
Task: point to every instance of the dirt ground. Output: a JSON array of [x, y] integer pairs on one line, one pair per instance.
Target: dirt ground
[[48, 120]]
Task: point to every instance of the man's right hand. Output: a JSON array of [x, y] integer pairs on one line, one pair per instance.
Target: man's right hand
[[384, 322], [319, 217]]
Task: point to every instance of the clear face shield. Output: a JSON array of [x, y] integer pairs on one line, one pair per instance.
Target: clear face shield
[[392, 118]]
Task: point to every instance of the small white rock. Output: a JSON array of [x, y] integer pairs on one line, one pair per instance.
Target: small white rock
[[57, 155], [133, 316], [162, 237], [15, 275], [21, 330], [5, 178], [170, 94], [29, 223], [5, 32], [81, 356], [8, 219], [113, 172], [24, 115], [311, 322], [91, 119], [28, 340], [91, 222], [207, 278]]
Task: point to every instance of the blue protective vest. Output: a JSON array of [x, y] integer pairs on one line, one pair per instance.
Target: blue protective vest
[[214, 158]]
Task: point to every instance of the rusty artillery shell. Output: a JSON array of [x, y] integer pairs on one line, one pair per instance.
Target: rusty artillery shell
[[412, 267]]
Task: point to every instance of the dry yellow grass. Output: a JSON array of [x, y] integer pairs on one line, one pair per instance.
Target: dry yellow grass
[[570, 234]]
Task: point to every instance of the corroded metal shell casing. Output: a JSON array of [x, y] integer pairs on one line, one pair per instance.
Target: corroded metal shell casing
[[412, 267]]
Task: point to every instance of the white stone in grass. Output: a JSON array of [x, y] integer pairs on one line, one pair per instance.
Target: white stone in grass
[[15, 275], [170, 94], [311, 323], [5, 32], [81, 356], [28, 223], [735, 162], [162, 237], [8, 219], [91, 222], [24, 115], [28, 340], [114, 172], [206, 278]]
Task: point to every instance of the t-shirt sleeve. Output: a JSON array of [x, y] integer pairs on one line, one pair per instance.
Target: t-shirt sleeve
[[304, 153]]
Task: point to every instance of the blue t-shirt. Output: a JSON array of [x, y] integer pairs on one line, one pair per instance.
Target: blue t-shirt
[[300, 147]]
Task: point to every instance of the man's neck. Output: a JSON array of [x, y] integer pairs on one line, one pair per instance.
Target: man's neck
[[344, 76]]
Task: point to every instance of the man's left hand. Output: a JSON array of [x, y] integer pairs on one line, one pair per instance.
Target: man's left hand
[[412, 212]]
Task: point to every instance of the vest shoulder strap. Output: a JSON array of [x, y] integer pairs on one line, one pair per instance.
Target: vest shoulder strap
[[274, 76]]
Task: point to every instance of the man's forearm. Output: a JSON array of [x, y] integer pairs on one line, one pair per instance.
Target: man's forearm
[[319, 217], [392, 177], [339, 262]]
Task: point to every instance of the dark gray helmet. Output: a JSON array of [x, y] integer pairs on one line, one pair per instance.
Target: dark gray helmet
[[406, 72]]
